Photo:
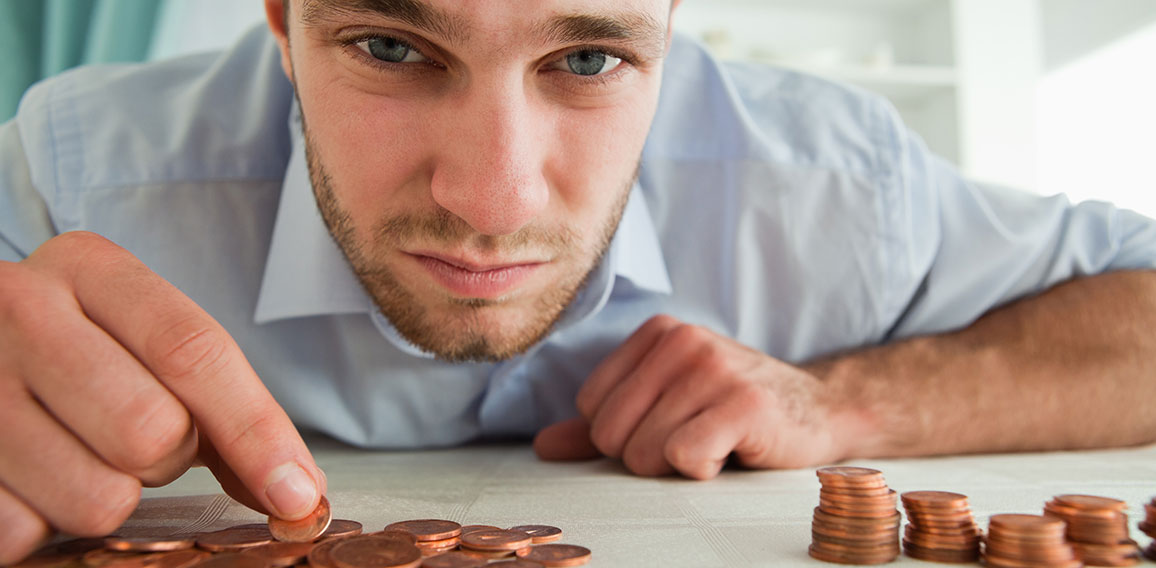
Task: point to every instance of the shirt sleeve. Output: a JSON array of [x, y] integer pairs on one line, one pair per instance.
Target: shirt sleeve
[[971, 247], [24, 219]]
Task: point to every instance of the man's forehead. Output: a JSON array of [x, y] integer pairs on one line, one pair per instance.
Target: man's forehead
[[560, 21]]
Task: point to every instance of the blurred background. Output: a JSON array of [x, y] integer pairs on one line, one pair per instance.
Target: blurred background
[[1053, 96]]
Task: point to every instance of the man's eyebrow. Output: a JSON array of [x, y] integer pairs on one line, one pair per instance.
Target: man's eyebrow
[[634, 27], [413, 12]]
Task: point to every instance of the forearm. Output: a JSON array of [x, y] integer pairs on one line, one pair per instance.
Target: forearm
[[1073, 367]]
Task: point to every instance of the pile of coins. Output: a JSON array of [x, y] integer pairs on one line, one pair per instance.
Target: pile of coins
[[940, 527], [1148, 527], [322, 542], [1097, 528], [1016, 541], [856, 521]]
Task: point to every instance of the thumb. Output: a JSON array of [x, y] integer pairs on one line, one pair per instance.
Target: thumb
[[568, 440]]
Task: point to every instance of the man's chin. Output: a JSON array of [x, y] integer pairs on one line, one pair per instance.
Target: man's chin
[[475, 330]]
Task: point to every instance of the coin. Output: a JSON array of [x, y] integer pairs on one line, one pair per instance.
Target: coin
[[497, 540], [552, 555], [179, 558], [374, 552], [280, 554], [541, 534], [341, 527], [856, 521], [454, 560], [428, 529], [231, 560], [307, 529], [515, 563], [235, 538], [148, 544], [318, 556]]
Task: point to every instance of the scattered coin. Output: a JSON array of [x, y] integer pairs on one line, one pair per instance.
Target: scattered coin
[[541, 534], [307, 529], [374, 552], [148, 544], [280, 554], [428, 529], [551, 555], [454, 560], [341, 527], [497, 540], [235, 539]]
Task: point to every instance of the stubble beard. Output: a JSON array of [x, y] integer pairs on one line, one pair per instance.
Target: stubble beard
[[465, 335]]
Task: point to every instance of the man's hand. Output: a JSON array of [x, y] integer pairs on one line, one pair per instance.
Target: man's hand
[[678, 397], [110, 379]]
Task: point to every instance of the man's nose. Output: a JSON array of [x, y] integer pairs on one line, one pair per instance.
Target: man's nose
[[490, 168]]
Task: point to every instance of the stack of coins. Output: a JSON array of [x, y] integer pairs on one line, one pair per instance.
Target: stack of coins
[[1148, 527], [856, 521], [1016, 541], [1097, 529], [940, 527]]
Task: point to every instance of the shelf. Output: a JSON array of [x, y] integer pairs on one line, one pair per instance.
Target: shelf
[[900, 83]]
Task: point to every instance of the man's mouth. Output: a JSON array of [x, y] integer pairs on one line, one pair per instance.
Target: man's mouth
[[470, 280]]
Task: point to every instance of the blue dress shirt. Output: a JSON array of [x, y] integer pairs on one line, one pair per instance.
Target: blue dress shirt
[[793, 214]]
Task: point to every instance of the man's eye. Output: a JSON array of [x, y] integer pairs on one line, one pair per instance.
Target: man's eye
[[391, 50], [589, 62]]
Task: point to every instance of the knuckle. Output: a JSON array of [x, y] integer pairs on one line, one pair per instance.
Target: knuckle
[[605, 440], [188, 348], [102, 511], [158, 435]]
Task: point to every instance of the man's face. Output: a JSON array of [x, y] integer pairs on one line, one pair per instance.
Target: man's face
[[472, 158]]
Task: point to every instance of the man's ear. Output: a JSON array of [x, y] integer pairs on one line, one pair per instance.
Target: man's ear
[[670, 24], [278, 24]]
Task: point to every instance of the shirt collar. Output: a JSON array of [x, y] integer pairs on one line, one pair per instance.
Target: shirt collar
[[306, 274]]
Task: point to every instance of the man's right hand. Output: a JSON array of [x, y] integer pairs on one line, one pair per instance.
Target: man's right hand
[[112, 379]]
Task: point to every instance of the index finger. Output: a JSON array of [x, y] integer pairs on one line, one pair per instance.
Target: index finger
[[196, 359]]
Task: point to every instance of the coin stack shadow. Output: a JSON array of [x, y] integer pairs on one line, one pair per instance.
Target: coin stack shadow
[[940, 527], [1015, 541], [1097, 529], [857, 521], [1148, 527]]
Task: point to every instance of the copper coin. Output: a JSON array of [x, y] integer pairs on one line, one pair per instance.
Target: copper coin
[[497, 540], [180, 558], [235, 538], [826, 556], [935, 499], [307, 529], [843, 476], [232, 560], [396, 535], [454, 560], [882, 489], [541, 534], [515, 563], [341, 528], [489, 554], [428, 529], [148, 544], [1083, 502], [117, 558], [1020, 524], [551, 555], [472, 528], [318, 556], [279, 554], [374, 552]]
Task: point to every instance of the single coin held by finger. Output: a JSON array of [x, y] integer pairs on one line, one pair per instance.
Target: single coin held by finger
[[307, 529]]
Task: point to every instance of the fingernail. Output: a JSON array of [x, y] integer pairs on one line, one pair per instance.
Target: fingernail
[[291, 491]]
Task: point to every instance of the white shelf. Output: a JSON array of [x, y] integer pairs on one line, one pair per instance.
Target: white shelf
[[903, 84]]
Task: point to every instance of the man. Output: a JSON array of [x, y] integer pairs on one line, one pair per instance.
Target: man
[[480, 220]]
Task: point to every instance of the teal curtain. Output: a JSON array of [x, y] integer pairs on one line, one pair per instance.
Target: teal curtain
[[40, 38]]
